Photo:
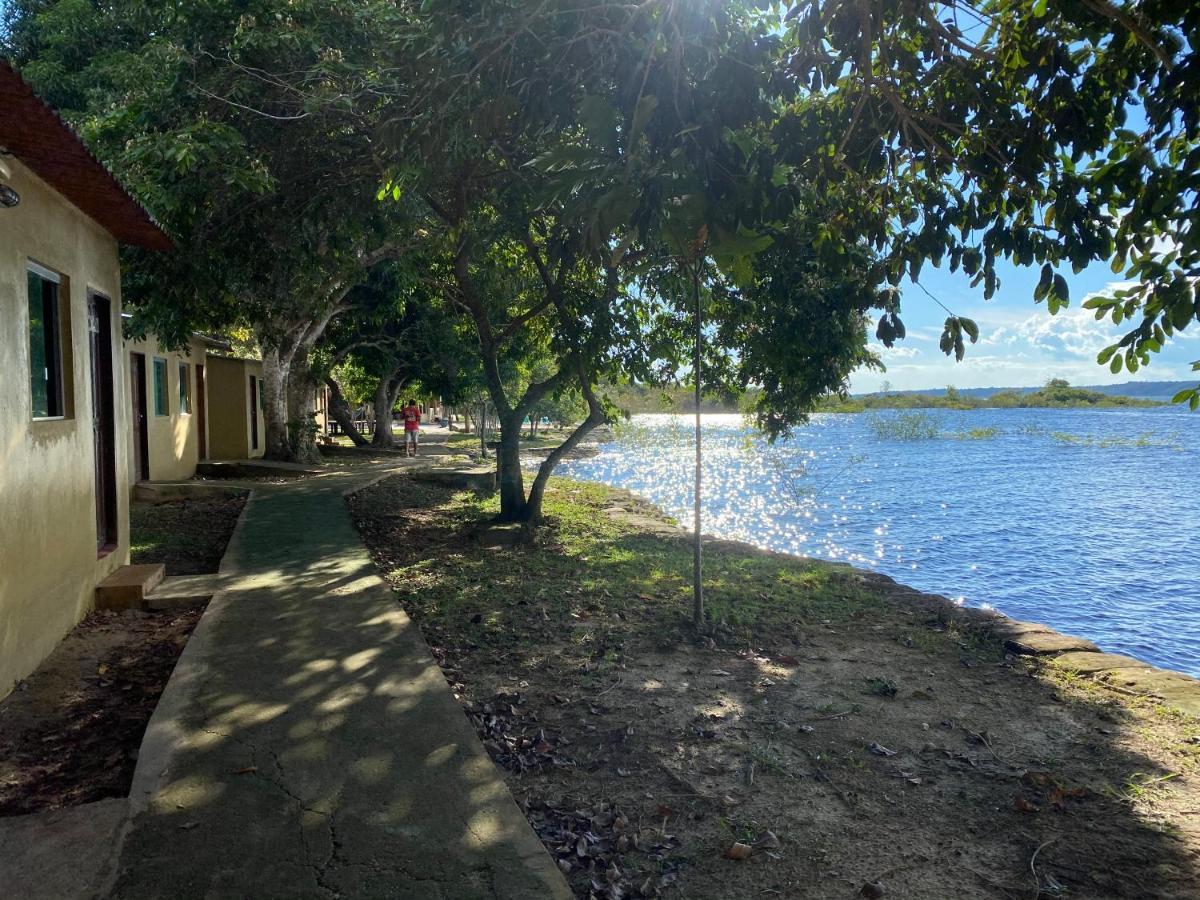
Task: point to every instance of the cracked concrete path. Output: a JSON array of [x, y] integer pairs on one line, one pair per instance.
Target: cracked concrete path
[[309, 746]]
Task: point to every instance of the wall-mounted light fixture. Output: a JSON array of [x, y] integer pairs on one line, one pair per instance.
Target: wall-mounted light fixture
[[8, 197]]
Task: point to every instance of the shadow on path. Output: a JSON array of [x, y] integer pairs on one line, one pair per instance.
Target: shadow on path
[[309, 745]]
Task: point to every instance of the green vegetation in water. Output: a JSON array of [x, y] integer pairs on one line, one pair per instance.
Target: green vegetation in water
[[975, 434], [1142, 441], [905, 426]]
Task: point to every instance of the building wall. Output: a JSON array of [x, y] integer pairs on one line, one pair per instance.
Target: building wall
[[174, 438], [229, 424], [49, 565]]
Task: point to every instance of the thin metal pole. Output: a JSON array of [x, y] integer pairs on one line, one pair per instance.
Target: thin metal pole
[[698, 566]]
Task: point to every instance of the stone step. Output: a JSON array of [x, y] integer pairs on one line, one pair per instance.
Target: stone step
[[475, 478], [127, 587], [182, 591]]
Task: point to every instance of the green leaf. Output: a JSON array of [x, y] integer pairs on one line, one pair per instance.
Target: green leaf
[[599, 120], [969, 326], [641, 116], [1061, 291], [1185, 394]]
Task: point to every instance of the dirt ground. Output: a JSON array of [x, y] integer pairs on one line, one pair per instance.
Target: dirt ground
[[821, 738], [189, 534], [69, 734]]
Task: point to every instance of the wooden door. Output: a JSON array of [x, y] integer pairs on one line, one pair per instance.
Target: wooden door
[[103, 421], [141, 433], [201, 412], [253, 413]]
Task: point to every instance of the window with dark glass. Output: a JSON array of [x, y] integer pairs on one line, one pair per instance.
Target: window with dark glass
[[160, 387], [45, 345], [185, 388]]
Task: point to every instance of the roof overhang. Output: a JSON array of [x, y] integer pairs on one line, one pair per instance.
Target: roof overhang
[[35, 134]]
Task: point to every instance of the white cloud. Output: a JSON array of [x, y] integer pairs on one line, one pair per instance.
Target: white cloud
[[897, 352]]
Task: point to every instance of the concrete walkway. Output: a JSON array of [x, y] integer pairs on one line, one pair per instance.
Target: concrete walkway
[[308, 745]]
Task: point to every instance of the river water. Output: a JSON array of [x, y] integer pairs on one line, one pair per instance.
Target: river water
[[1086, 520]]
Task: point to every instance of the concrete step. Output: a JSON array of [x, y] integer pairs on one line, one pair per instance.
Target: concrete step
[[182, 591], [127, 587], [475, 478]]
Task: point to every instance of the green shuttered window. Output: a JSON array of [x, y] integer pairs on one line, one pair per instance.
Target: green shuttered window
[[160, 387], [185, 388], [45, 345]]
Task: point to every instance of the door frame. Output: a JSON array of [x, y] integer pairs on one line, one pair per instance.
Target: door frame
[[254, 389], [201, 412], [104, 430], [141, 412]]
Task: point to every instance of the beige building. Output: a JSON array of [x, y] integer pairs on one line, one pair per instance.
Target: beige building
[[64, 471], [169, 400], [236, 428]]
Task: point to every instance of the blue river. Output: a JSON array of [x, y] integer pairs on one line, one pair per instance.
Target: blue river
[[1086, 520]]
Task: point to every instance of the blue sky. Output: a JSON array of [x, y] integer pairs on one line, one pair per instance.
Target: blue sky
[[1020, 343]]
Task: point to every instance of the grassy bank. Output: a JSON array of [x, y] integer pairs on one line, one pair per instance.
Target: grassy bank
[[840, 733]]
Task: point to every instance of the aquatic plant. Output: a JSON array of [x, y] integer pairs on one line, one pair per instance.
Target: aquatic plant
[[975, 434], [1142, 441], [905, 426]]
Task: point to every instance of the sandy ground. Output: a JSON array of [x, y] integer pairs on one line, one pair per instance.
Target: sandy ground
[[69, 734]]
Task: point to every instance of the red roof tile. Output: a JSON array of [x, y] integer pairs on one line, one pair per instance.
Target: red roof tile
[[33, 132]]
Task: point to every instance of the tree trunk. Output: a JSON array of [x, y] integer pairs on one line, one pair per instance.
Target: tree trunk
[[533, 512], [384, 402], [276, 363], [513, 507], [302, 423], [340, 409]]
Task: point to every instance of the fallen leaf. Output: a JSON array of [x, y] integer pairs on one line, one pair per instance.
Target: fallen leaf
[[768, 841], [1020, 804], [1059, 796], [249, 770], [739, 851], [880, 750]]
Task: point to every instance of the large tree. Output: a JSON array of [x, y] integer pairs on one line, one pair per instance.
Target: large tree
[[395, 336], [267, 188]]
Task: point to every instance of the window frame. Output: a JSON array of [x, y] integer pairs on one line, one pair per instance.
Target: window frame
[[52, 342], [184, 389], [165, 395]]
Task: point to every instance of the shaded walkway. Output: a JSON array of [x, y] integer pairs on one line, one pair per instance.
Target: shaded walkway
[[309, 745]]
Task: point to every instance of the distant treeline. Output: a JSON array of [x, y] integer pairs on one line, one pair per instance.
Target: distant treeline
[[638, 398], [1056, 393]]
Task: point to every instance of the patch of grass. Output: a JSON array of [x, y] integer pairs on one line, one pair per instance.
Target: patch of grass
[[588, 569], [1141, 786], [881, 687]]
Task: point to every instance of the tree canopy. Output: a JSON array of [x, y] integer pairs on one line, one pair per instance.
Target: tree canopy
[[569, 174]]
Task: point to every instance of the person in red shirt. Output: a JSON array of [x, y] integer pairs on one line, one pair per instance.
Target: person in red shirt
[[412, 427]]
